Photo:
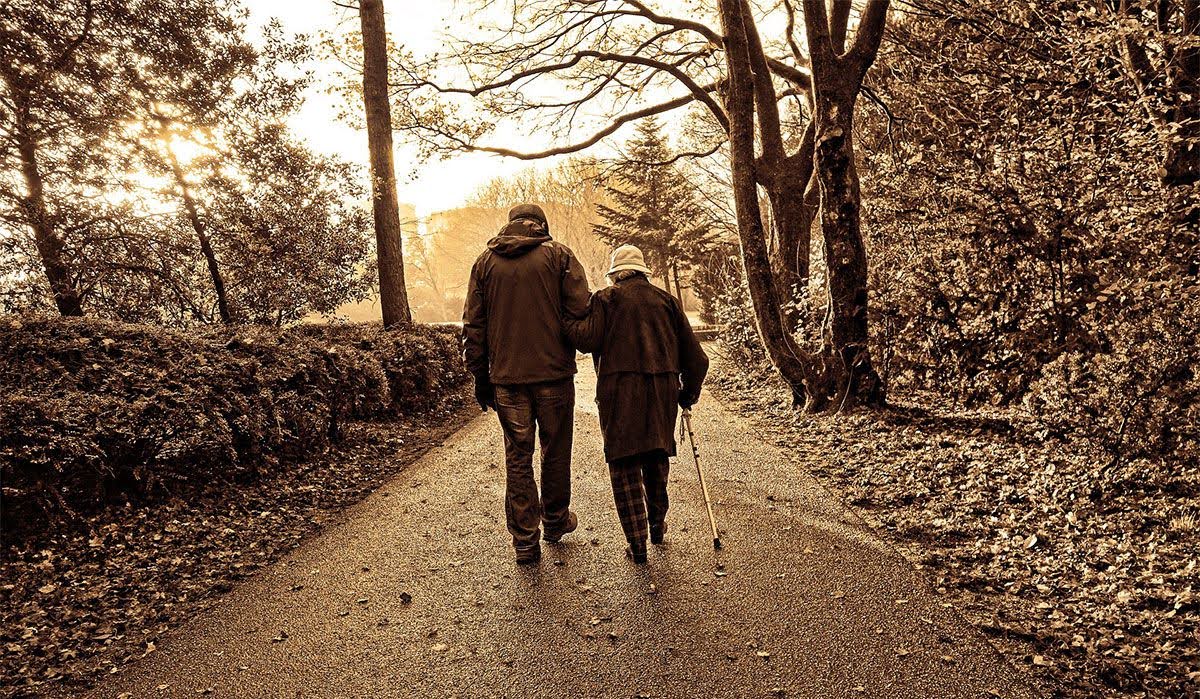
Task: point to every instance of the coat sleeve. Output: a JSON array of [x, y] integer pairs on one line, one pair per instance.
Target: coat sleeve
[[474, 333], [693, 362], [574, 290], [587, 333]]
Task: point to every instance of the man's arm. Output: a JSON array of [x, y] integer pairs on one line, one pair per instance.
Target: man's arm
[[575, 293], [587, 333], [474, 336], [693, 362]]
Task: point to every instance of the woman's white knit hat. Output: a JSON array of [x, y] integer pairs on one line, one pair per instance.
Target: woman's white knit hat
[[628, 257]]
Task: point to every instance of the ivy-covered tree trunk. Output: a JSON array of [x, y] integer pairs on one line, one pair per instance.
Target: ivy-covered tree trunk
[[49, 245], [393, 295], [857, 383]]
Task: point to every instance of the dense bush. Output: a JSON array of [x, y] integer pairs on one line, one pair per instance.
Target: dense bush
[[1023, 249], [94, 410]]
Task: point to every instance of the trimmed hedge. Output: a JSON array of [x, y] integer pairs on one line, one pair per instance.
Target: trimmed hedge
[[94, 411]]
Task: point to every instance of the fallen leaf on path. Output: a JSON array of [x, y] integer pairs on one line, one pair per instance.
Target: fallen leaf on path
[[440, 648], [405, 598]]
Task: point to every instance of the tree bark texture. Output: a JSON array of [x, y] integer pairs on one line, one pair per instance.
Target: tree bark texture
[[393, 295], [206, 248], [49, 245]]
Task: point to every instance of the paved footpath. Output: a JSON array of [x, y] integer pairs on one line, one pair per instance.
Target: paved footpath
[[414, 593]]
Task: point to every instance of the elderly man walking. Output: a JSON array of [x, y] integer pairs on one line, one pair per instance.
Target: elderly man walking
[[524, 367], [648, 365]]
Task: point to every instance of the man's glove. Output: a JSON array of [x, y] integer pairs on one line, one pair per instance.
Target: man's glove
[[485, 393]]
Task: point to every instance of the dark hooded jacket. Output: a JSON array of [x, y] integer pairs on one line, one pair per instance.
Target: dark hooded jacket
[[520, 289], [648, 363]]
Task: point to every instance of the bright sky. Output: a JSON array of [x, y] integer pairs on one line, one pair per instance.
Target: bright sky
[[436, 185]]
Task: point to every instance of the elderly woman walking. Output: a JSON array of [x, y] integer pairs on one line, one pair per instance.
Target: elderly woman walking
[[648, 365]]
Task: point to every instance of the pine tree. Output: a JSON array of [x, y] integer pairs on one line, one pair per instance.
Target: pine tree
[[655, 207]]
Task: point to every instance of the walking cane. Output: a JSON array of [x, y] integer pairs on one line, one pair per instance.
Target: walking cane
[[712, 521]]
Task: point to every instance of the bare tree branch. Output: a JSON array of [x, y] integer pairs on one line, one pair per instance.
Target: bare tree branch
[[592, 140]]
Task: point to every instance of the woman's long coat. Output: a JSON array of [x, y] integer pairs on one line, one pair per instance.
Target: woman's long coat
[[648, 363]]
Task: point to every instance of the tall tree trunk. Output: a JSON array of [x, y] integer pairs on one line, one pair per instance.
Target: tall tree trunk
[[837, 79], [49, 245], [393, 295], [845, 255], [206, 249], [764, 296]]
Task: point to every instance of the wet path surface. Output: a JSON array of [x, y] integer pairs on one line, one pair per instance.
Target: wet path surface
[[414, 593]]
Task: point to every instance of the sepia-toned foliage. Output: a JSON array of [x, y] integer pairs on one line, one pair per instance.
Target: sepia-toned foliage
[[164, 189], [95, 412], [656, 208], [1029, 251]]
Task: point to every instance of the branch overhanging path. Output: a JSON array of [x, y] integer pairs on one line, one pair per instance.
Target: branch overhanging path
[[557, 51], [803, 600]]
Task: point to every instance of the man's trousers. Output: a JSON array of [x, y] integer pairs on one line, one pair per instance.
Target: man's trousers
[[548, 408]]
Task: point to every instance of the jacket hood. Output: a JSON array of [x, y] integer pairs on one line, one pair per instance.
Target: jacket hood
[[519, 237]]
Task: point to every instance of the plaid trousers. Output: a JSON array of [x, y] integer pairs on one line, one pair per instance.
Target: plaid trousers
[[639, 485]]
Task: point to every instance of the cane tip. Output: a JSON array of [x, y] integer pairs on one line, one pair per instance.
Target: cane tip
[[717, 544]]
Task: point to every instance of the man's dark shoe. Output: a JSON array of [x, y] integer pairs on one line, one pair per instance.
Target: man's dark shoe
[[529, 556], [657, 533], [637, 552], [556, 535]]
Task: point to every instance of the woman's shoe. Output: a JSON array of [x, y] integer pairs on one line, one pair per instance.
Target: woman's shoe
[[657, 533], [637, 552]]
